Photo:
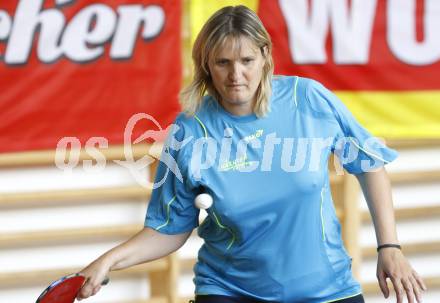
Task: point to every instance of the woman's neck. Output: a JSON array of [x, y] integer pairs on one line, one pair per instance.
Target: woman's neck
[[239, 109]]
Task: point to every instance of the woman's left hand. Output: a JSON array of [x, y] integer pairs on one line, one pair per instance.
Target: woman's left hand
[[392, 264]]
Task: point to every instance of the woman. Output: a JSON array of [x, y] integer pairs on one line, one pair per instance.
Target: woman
[[272, 234]]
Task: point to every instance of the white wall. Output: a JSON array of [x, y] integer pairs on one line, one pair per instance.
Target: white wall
[[72, 216]]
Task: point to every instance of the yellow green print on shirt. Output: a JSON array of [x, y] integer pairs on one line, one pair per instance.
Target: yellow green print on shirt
[[241, 162], [257, 134], [236, 164]]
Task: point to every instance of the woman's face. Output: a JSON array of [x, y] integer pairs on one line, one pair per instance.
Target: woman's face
[[236, 72]]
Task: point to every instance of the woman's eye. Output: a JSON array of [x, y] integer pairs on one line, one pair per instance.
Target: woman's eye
[[222, 62], [247, 60]]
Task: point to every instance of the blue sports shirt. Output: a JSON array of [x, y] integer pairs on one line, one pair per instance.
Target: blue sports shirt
[[272, 232]]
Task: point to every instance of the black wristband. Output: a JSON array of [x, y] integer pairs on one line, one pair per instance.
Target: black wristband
[[388, 245]]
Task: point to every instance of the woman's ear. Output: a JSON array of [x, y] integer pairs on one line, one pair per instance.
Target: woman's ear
[[264, 51]]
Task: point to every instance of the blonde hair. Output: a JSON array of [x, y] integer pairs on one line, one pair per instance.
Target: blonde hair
[[230, 21]]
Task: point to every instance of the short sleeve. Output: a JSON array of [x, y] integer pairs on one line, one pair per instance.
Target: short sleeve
[[171, 208], [357, 150]]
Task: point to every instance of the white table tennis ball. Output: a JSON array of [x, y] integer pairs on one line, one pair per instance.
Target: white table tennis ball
[[203, 201]]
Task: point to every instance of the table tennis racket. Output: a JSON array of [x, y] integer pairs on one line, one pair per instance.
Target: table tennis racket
[[64, 290]]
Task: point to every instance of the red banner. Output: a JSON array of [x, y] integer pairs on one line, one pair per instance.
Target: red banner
[[357, 45], [82, 68]]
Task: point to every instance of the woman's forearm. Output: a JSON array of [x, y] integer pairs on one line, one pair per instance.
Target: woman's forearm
[[147, 245], [377, 191]]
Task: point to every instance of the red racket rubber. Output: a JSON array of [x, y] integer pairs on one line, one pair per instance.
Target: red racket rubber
[[64, 290]]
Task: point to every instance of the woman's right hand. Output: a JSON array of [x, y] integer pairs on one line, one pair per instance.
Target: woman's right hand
[[145, 246], [95, 273]]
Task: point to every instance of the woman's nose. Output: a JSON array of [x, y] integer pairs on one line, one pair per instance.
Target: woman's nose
[[234, 72]]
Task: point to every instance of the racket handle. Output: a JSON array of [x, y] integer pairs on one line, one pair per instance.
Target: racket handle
[[105, 281]]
